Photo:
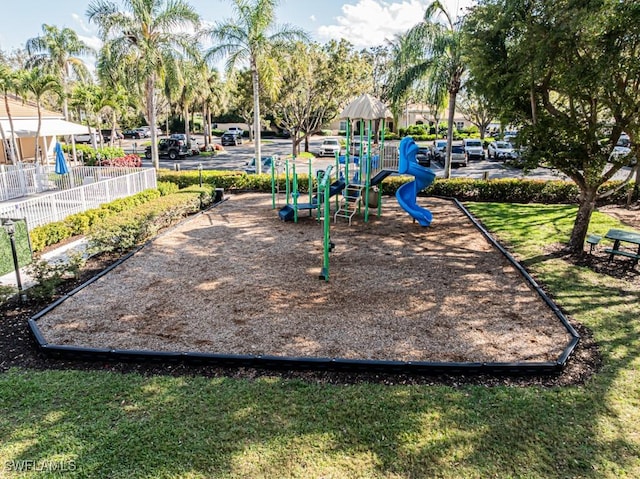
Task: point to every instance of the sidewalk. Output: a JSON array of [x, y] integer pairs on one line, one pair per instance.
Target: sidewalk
[[57, 254]]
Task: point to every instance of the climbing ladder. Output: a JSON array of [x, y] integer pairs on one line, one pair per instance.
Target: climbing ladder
[[349, 202]]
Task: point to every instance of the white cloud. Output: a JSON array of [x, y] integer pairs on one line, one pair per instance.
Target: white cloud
[[312, 18], [92, 41], [81, 23], [372, 22]]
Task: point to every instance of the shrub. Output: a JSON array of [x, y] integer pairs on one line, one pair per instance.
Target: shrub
[[49, 275], [81, 223], [167, 188], [131, 160], [90, 156], [129, 229]]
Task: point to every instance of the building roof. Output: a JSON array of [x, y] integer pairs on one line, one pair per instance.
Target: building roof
[[24, 109]]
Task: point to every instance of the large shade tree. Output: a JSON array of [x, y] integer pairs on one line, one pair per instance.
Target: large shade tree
[[149, 36], [59, 52], [317, 81], [436, 54], [568, 73], [254, 39]]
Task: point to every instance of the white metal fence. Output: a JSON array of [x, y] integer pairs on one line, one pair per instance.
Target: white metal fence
[[25, 179], [88, 187]]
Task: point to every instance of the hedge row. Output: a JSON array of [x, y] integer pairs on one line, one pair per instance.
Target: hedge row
[[82, 223], [509, 190], [133, 227], [90, 156]]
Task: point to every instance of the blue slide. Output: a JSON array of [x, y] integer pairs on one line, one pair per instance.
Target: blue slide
[[407, 193]]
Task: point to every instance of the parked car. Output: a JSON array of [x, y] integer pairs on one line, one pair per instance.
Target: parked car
[[423, 157], [144, 132], [458, 156], [473, 149], [502, 150], [621, 152], [87, 138], [193, 142], [624, 140], [266, 165], [329, 147], [357, 146], [106, 135], [510, 136], [234, 139], [235, 129], [438, 149], [133, 134], [170, 147]]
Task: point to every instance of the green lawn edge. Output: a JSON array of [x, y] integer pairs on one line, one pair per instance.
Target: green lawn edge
[[104, 424]]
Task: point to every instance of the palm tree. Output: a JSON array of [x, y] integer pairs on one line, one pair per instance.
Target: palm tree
[[144, 35], [57, 52], [9, 83], [184, 87], [36, 83], [212, 96], [111, 102], [246, 39], [438, 57]]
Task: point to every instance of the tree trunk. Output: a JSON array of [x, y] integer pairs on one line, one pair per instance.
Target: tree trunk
[[294, 143], [447, 156], [38, 133], [587, 204], [114, 120], [187, 129], [633, 192], [256, 115], [15, 154], [65, 103], [151, 118], [207, 126]]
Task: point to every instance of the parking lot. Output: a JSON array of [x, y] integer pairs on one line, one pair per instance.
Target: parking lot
[[236, 158]]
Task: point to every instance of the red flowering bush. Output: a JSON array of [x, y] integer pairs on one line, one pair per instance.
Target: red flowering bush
[[130, 160]]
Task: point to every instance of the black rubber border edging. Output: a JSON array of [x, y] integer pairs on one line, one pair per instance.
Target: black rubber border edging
[[308, 363]]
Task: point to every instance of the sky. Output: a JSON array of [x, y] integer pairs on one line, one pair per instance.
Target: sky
[[364, 23]]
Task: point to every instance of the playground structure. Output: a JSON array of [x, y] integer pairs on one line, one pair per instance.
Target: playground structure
[[356, 172], [357, 176]]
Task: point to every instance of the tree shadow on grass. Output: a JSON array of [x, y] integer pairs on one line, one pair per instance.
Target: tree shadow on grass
[[132, 426]]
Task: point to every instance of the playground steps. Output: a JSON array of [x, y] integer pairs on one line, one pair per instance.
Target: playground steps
[[349, 203]]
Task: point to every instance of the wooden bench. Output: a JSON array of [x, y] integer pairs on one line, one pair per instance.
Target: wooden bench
[[593, 240]]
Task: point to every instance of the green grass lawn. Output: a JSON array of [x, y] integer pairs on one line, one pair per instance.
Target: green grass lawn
[[115, 425]]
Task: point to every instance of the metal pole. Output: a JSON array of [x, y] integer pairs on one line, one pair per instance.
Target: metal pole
[[347, 154], [286, 193], [16, 264], [326, 242], [310, 186], [10, 227], [294, 193], [273, 183], [368, 164]]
